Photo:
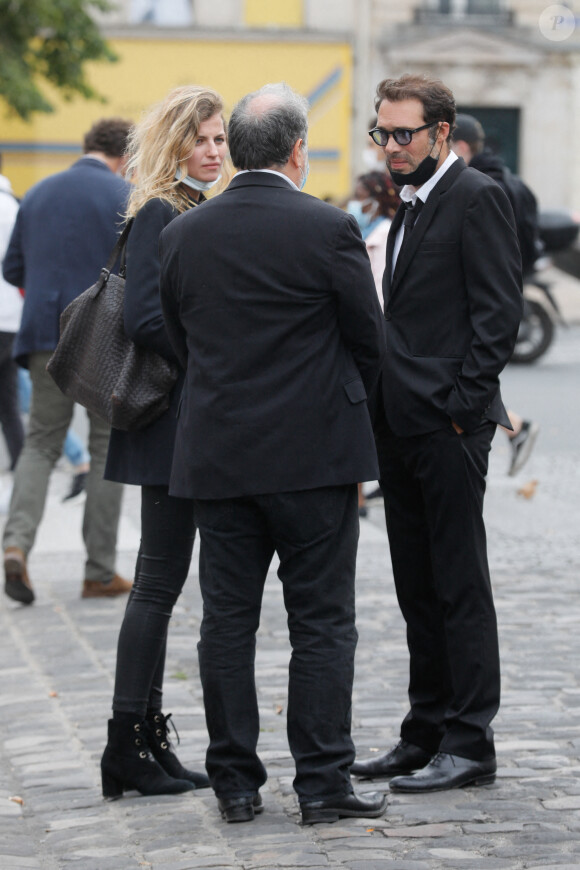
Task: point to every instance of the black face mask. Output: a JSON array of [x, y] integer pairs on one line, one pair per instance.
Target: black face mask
[[420, 175]]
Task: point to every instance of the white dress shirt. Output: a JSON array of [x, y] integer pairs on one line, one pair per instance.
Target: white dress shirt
[[410, 194]]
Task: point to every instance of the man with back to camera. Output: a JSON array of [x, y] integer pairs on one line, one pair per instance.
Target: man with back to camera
[[65, 230], [452, 292], [270, 304]]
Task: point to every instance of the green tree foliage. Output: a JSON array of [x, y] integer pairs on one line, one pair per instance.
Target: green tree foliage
[[50, 40]]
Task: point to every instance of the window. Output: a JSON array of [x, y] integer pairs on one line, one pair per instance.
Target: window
[[430, 10], [163, 13]]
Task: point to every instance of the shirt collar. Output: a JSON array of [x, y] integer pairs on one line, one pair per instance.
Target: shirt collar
[[409, 194], [272, 172]]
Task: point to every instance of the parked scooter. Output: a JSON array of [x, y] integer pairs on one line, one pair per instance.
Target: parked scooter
[[539, 318], [558, 230]]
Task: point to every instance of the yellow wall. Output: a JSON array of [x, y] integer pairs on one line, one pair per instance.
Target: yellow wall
[[149, 68], [269, 13]]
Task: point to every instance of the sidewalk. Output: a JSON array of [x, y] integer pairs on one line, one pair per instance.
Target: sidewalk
[[56, 680], [56, 685]]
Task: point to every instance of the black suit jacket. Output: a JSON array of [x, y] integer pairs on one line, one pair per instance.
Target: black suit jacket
[[453, 307], [270, 304]]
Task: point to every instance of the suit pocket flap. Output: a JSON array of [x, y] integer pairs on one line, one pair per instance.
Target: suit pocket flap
[[355, 390]]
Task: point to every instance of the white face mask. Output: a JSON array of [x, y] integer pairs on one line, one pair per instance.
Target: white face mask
[[201, 186], [304, 173], [363, 218]]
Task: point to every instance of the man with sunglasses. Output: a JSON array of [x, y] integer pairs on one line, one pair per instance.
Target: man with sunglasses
[[452, 294]]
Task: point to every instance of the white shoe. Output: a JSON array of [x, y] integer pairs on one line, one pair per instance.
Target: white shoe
[[522, 445]]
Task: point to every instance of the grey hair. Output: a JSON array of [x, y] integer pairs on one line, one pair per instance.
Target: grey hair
[[259, 138]]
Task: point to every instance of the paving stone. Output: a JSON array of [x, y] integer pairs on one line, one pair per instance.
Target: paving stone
[[563, 803], [16, 862], [387, 864], [419, 831]]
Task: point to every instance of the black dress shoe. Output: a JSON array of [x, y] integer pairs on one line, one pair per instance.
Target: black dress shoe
[[447, 771], [404, 758], [360, 806], [240, 809]]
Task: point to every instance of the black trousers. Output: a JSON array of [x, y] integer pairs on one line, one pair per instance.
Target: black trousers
[[434, 486], [10, 417], [315, 534], [167, 536]]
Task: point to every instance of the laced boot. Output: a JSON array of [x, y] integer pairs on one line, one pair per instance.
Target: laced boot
[[163, 752], [128, 763]]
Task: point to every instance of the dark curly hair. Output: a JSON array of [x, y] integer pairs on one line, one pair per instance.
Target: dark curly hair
[[438, 101], [109, 136], [381, 187]]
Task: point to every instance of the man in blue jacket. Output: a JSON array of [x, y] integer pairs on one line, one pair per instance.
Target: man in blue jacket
[[64, 232]]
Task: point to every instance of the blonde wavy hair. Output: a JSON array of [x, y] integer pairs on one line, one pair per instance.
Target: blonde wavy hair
[[163, 141]]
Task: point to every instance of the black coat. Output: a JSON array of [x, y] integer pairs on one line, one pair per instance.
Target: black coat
[[270, 302], [143, 457], [522, 201], [453, 308]]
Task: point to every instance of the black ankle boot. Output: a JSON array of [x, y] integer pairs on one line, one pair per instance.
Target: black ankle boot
[[157, 734], [128, 763]]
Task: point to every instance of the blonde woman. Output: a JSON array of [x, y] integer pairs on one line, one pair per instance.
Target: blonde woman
[[176, 154]]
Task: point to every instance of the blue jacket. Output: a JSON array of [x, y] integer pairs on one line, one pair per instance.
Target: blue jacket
[[65, 230]]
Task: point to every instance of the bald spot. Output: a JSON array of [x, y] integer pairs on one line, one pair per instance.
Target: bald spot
[[262, 104]]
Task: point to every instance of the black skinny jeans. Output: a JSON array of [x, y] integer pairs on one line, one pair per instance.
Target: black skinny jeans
[[167, 536]]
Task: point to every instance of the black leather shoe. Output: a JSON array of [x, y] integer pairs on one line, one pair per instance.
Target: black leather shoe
[[240, 809], [403, 758], [370, 805], [447, 771]]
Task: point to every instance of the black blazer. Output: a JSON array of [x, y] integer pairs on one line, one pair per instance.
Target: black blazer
[[144, 456], [270, 302], [453, 309]]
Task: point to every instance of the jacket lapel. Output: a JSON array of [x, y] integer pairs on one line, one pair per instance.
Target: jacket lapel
[[393, 230], [420, 228]]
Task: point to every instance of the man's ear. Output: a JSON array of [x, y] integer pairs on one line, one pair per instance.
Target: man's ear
[[296, 151], [443, 134]]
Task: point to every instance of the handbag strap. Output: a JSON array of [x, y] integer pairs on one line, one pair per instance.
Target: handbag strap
[[118, 249], [123, 264]]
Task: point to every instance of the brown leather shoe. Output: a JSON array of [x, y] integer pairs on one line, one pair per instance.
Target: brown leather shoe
[[17, 584], [99, 589]]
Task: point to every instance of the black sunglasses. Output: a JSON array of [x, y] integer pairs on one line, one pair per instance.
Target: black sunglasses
[[400, 135]]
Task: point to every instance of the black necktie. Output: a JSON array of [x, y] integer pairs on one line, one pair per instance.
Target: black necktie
[[411, 215]]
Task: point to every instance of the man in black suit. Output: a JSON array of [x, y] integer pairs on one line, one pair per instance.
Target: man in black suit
[[452, 292], [269, 302]]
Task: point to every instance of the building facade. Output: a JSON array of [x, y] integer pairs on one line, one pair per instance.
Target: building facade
[[512, 63]]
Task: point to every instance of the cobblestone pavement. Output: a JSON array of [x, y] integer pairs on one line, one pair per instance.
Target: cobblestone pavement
[[57, 674]]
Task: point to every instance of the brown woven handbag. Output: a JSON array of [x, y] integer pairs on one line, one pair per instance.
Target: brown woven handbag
[[97, 365]]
